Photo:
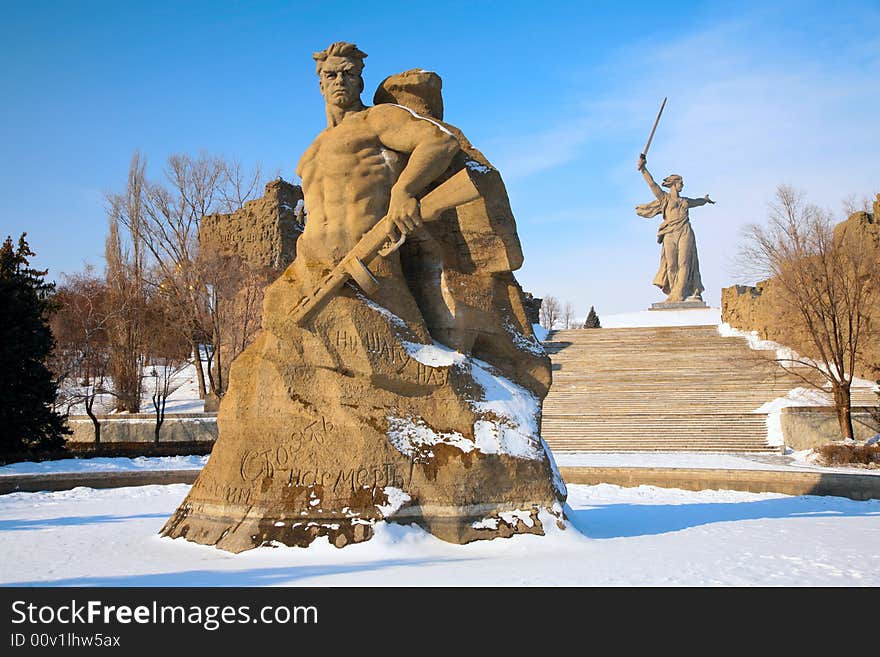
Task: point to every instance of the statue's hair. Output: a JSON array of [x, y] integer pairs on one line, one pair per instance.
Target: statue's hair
[[670, 180], [340, 49]]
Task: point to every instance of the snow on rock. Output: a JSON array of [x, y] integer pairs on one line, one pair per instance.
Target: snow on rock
[[507, 411], [486, 523], [433, 355], [382, 310], [411, 436], [396, 499], [423, 118], [513, 429], [558, 481], [526, 343], [473, 165], [518, 515]]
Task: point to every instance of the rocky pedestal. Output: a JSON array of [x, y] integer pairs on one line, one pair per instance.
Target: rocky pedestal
[[325, 432]]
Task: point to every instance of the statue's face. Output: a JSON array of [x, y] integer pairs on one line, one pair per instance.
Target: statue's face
[[340, 82], [678, 185]]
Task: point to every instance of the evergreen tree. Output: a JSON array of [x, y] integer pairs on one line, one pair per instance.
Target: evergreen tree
[[592, 319], [27, 389]]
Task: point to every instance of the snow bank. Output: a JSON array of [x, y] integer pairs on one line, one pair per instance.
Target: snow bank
[[773, 409], [756, 343], [104, 464], [649, 318], [643, 536]]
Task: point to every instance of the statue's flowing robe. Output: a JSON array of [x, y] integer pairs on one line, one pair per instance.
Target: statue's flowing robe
[[684, 273]]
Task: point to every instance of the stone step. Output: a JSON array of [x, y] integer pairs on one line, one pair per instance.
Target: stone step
[[663, 389], [659, 389]]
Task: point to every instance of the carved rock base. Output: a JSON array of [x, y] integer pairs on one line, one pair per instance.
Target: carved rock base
[[327, 431]]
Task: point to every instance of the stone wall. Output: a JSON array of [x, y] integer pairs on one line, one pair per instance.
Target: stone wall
[[140, 428], [813, 426]]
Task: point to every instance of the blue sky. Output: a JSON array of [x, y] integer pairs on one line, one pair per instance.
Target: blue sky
[[559, 97]]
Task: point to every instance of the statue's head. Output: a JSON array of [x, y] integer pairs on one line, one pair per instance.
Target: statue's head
[[339, 69], [673, 181]]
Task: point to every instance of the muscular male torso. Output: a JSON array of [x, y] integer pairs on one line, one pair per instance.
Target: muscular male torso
[[347, 175]]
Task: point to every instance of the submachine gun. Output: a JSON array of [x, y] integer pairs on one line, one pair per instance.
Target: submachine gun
[[456, 191]]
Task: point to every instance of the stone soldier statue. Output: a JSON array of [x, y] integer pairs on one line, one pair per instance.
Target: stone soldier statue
[[392, 396]]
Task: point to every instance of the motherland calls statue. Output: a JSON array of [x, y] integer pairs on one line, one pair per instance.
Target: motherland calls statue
[[396, 376], [679, 272]]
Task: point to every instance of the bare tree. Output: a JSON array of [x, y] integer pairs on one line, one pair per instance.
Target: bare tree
[[550, 312], [235, 302], [825, 288], [567, 317], [853, 204], [125, 260], [237, 187], [194, 187], [168, 348], [83, 355], [167, 231]]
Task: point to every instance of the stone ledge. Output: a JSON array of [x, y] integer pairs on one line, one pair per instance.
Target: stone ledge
[[853, 486], [679, 305], [31, 483]]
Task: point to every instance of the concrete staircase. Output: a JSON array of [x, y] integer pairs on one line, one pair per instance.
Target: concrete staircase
[[679, 388]]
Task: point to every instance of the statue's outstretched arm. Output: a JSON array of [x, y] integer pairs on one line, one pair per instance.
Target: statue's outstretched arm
[[697, 202]]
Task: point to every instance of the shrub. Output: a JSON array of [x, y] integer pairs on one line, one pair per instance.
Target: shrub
[[849, 454]]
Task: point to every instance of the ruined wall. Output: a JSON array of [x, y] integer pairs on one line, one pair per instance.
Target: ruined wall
[[759, 308], [263, 233]]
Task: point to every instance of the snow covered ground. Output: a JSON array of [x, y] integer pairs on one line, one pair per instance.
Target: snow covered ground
[[106, 464], [184, 397], [645, 536], [709, 316], [642, 536]]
